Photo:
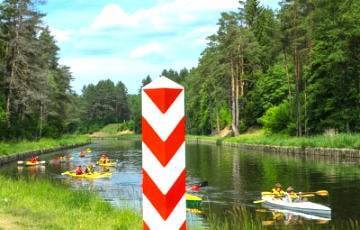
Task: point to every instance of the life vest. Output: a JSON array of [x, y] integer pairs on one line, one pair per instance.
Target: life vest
[[78, 171], [278, 193]]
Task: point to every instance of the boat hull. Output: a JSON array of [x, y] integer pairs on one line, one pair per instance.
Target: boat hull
[[302, 207]]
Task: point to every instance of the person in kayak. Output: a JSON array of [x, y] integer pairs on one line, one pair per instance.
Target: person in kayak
[[89, 169], [104, 159], [291, 195], [34, 159], [78, 170], [277, 190]]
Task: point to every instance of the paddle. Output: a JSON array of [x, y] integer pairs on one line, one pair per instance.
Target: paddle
[[319, 193], [258, 201]]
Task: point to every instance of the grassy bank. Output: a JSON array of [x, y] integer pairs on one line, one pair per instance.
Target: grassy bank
[[44, 205], [7, 148], [351, 141], [113, 130]]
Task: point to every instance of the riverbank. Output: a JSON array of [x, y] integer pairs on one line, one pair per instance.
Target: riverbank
[[37, 204], [337, 146], [12, 151]]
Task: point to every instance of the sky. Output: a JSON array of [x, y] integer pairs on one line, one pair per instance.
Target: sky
[[126, 40]]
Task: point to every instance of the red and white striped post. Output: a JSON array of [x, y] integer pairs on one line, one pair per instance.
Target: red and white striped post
[[163, 155]]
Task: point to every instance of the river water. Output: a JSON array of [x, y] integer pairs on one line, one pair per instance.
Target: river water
[[236, 178]]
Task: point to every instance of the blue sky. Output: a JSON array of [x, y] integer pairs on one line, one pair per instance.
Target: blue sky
[[125, 40]]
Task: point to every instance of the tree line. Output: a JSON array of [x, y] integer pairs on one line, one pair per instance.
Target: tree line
[[294, 70], [34, 87], [36, 99]]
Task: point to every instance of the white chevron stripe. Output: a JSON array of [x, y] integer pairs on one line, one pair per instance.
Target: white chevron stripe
[[163, 177], [154, 220], [163, 123]]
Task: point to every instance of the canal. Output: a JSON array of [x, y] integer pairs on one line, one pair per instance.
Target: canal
[[236, 178]]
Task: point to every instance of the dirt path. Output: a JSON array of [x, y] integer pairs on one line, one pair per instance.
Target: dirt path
[[8, 222]]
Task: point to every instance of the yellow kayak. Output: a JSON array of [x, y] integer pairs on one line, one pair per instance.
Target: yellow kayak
[[29, 163], [111, 164], [94, 175], [192, 200]]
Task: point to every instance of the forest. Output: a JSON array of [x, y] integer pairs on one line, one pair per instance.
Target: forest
[[294, 70]]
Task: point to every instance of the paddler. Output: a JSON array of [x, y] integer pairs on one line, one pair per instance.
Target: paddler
[[107, 160], [291, 194], [277, 190], [78, 170], [34, 159], [89, 169], [102, 159]]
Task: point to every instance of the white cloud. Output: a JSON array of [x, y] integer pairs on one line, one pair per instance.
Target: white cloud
[[144, 50], [113, 15], [60, 35], [162, 15]]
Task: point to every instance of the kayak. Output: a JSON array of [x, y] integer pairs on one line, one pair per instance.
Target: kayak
[[192, 200], [94, 175], [29, 163], [111, 164], [299, 206], [88, 150]]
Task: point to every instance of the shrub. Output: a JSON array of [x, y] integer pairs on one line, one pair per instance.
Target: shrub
[[277, 119]]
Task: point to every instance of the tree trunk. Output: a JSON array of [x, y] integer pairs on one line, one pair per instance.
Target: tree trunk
[[233, 101], [287, 74], [305, 108], [41, 119], [217, 122], [237, 95], [298, 90]]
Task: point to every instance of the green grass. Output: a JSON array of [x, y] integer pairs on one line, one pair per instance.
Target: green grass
[[45, 205], [8, 148], [111, 129], [351, 141]]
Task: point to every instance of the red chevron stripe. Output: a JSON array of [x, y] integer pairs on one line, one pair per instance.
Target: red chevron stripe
[[183, 226], [146, 227], [164, 151], [164, 204], [163, 97]]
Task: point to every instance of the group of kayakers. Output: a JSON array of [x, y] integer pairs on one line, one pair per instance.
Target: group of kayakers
[[90, 169], [86, 170], [290, 193]]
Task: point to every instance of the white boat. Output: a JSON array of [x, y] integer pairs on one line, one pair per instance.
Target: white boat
[[298, 206]]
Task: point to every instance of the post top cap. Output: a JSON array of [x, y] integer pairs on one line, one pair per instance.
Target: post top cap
[[163, 82]]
